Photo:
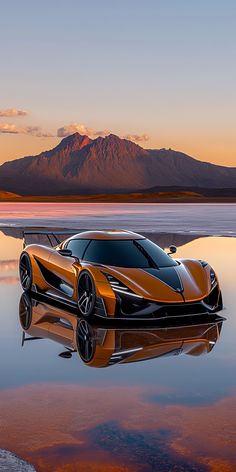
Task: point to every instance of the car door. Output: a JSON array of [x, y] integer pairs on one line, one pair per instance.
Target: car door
[[63, 268]]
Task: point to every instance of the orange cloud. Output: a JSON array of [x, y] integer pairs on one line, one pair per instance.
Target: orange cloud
[[12, 112], [82, 129], [137, 138], [9, 128], [64, 131]]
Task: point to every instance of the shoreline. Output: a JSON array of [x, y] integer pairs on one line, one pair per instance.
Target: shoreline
[[175, 195], [43, 230], [121, 199], [218, 219]]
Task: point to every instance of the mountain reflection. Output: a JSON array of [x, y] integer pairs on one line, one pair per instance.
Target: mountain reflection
[[32, 237], [100, 344]]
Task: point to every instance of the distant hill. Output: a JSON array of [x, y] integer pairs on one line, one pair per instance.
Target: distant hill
[[80, 166], [8, 195]]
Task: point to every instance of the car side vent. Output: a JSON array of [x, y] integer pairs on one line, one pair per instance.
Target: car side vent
[[119, 287]]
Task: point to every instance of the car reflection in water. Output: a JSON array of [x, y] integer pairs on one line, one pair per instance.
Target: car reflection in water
[[101, 345]]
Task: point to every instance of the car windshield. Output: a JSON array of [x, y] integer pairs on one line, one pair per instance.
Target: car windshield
[[140, 253]]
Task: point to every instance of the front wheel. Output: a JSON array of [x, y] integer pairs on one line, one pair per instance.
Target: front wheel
[[86, 342], [25, 311], [25, 270], [86, 294]]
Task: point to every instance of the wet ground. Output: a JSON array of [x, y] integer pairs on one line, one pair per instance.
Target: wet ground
[[190, 218], [64, 409]]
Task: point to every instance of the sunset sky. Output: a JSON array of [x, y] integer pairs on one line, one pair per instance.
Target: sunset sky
[[161, 72]]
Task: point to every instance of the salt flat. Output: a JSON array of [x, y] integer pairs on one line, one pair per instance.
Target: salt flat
[[209, 219]]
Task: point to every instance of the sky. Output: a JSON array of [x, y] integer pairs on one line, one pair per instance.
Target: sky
[[160, 72]]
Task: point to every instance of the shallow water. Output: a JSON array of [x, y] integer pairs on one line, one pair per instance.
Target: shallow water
[[173, 412], [200, 218]]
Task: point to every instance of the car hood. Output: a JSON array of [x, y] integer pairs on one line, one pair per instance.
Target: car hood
[[188, 281]]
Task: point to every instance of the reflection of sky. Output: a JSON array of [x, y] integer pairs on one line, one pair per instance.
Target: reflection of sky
[[117, 427], [171, 382], [9, 249], [8, 271]]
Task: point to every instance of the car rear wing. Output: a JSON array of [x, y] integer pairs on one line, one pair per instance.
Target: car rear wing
[[53, 237]]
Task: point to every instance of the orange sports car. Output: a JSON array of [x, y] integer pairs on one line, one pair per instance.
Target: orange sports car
[[120, 274], [100, 345]]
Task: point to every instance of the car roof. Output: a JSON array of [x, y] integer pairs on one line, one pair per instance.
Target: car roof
[[108, 235]]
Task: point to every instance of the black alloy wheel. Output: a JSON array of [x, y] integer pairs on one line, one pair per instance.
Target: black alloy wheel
[[25, 311], [25, 270], [86, 342], [86, 294]]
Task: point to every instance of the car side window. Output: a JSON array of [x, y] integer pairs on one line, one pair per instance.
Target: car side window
[[77, 246]]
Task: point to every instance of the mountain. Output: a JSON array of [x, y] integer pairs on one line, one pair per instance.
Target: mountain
[[80, 165]]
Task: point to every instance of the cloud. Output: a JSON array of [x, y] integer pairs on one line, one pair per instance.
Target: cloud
[[82, 129], [67, 130], [137, 138], [12, 112], [64, 131], [10, 128], [38, 132], [7, 128]]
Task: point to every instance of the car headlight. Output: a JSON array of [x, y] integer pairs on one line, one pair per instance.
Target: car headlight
[[212, 273], [119, 287], [213, 278]]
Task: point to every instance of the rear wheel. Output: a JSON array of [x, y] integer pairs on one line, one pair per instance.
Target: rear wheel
[[86, 294], [86, 341], [25, 270]]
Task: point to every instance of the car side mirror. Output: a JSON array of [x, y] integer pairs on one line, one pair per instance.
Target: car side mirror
[[172, 249], [65, 252]]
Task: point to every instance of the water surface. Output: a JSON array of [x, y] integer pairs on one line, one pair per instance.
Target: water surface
[[200, 218], [174, 412]]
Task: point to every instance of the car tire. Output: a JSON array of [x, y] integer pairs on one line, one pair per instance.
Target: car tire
[[25, 270], [86, 342], [86, 294], [25, 311]]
